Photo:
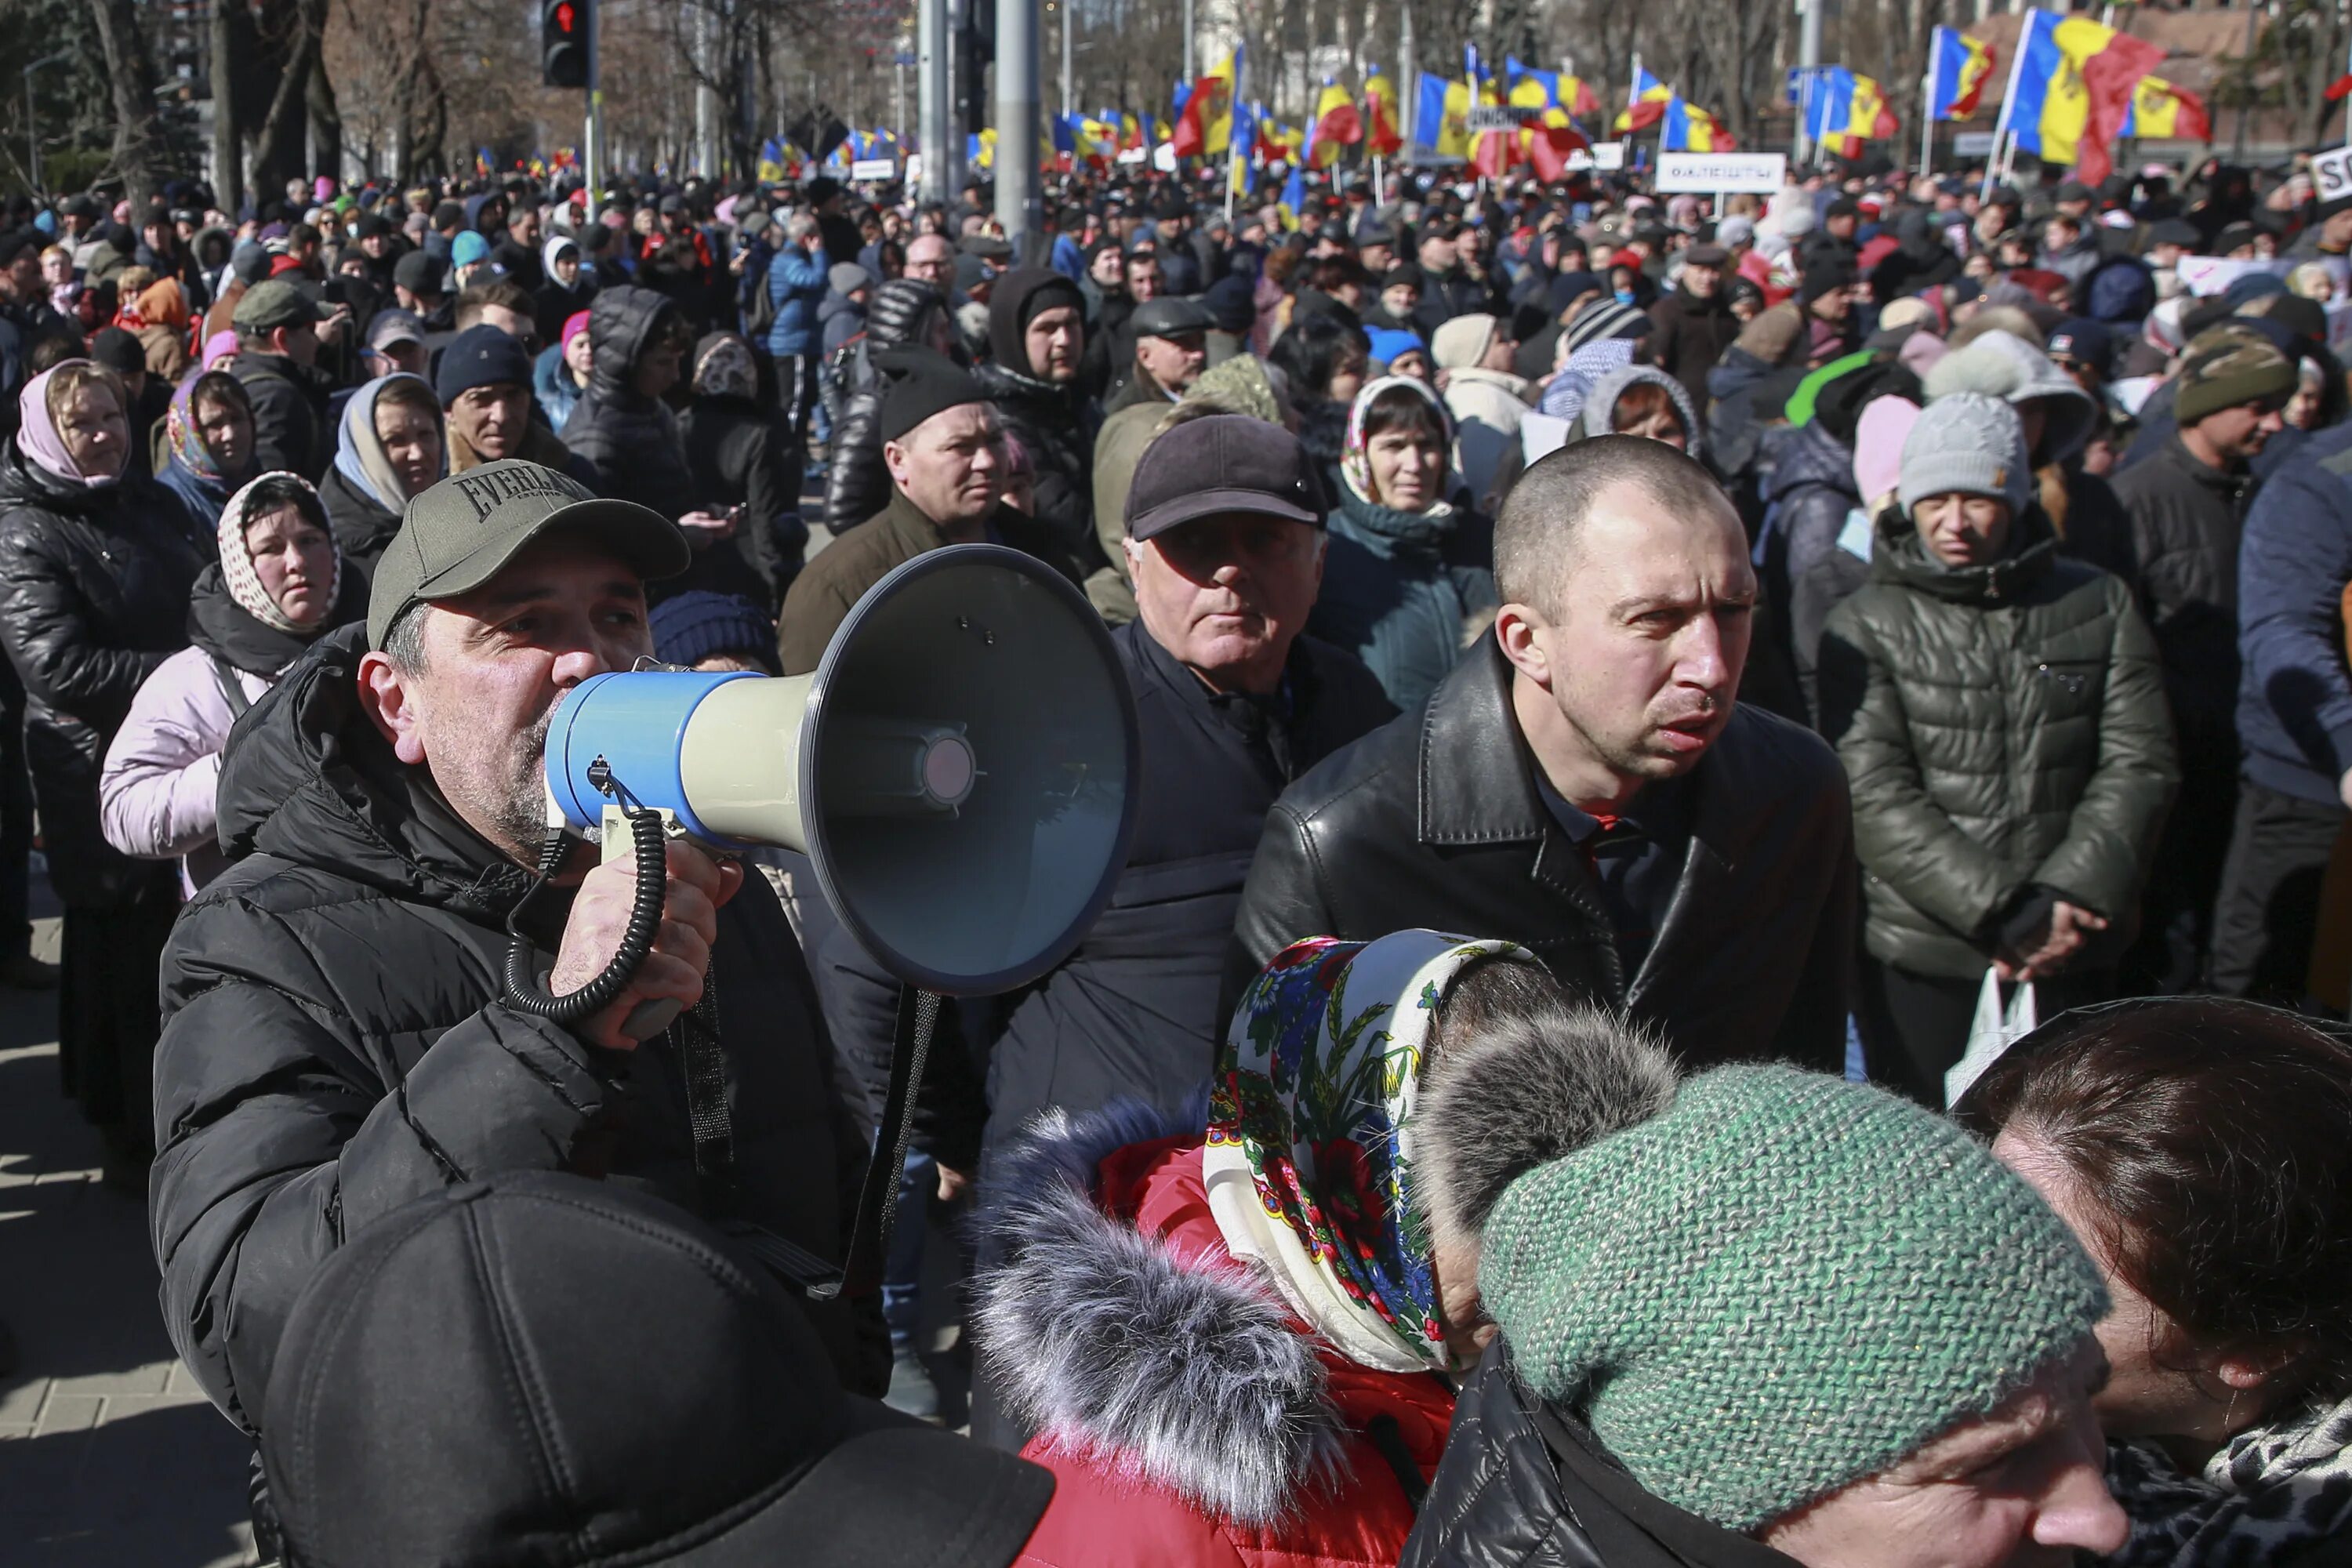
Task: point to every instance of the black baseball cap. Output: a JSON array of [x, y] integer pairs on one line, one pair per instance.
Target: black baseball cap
[[461, 532], [543, 1368], [1250, 467]]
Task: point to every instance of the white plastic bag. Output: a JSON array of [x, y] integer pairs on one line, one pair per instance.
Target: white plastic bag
[[1995, 1028]]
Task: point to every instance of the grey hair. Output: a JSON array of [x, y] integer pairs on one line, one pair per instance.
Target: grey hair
[[403, 641], [800, 225], [1518, 1077]]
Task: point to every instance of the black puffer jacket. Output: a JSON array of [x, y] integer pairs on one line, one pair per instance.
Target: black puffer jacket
[[1810, 487], [334, 1046], [1056, 424], [94, 585], [290, 427], [1435, 820], [632, 441], [2005, 733], [856, 485], [1522, 1486]]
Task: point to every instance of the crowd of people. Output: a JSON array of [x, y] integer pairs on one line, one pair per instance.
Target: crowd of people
[[1631, 696]]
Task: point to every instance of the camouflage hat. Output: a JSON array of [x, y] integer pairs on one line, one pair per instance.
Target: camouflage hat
[[2224, 367]]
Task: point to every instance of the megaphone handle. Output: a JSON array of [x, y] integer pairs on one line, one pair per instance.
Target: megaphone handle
[[647, 1019], [526, 995]]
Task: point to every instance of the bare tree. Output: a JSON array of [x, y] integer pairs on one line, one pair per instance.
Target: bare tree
[[138, 128]]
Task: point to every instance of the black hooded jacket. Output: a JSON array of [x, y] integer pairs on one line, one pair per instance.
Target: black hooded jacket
[[631, 440], [856, 485], [94, 585], [1522, 1486], [335, 1046], [1055, 425]]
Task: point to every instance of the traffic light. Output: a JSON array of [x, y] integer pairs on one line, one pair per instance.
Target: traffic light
[[564, 41]]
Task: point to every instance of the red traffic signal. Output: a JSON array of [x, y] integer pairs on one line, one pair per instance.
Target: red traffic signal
[[563, 42]]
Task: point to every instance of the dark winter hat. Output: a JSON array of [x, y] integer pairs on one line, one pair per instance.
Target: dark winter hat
[[2085, 342], [542, 1368], [1825, 275], [2227, 366], [2174, 231], [1021, 297], [846, 277], [119, 351], [460, 532], [1249, 465], [274, 303], [420, 273], [250, 262], [922, 381], [2075, 191], [690, 628], [1232, 308], [15, 242], [479, 356]]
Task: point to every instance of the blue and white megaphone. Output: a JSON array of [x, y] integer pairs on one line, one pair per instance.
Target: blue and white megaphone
[[960, 769]]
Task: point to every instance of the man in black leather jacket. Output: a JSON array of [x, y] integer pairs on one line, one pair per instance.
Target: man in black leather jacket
[[1585, 784]]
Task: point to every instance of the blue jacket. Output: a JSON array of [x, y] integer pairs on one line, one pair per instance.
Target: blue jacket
[[1069, 258], [2294, 698], [557, 393], [797, 283], [1400, 591]]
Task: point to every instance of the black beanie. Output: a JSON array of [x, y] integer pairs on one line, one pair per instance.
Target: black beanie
[[1827, 272], [923, 382]]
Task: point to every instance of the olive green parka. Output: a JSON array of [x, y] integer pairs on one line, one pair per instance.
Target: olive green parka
[[2004, 729]]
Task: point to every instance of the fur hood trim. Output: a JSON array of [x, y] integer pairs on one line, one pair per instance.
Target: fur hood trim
[[1103, 1341]]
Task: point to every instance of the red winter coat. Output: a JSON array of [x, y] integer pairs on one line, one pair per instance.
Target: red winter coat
[[1190, 1420]]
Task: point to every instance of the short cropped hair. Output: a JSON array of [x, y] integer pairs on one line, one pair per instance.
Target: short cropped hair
[[1540, 517]]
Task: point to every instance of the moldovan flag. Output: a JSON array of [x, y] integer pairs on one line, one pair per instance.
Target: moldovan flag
[[1648, 105], [1958, 67], [1533, 88], [1207, 122], [2051, 112], [1442, 121], [1336, 125], [1689, 129], [1384, 133]]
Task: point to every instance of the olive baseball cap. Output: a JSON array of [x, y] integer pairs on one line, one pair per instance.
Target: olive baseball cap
[[461, 532], [274, 302]]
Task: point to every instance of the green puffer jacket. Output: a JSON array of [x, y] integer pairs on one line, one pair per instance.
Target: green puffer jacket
[[2004, 728]]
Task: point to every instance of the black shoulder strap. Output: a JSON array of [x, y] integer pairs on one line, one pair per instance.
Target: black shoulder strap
[[232, 689]]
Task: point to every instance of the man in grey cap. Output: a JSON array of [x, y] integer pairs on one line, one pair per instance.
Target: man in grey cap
[[278, 330], [1171, 349], [336, 1041], [395, 341]]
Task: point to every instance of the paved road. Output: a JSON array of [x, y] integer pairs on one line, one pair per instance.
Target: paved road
[[109, 1457]]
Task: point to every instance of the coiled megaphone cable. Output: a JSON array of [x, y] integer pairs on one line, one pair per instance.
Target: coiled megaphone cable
[[524, 992]]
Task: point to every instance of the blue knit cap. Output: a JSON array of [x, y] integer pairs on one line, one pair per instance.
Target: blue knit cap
[[689, 627]]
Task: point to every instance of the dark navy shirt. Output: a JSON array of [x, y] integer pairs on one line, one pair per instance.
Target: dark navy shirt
[[1636, 858]]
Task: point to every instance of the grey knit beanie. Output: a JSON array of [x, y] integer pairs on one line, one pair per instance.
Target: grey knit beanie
[[1781, 1284], [1966, 444]]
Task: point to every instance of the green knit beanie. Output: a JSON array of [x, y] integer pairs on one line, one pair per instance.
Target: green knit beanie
[[1781, 1284]]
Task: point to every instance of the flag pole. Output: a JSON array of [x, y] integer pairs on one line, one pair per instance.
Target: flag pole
[[2008, 101], [1633, 97], [1233, 134], [1928, 119]]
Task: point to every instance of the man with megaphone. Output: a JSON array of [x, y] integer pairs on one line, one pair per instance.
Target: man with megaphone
[[336, 1038]]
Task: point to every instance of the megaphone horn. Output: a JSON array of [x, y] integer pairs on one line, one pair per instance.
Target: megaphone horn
[[960, 768]]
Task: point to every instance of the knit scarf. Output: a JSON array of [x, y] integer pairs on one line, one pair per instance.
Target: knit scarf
[[1310, 1156], [2268, 1491], [243, 579]]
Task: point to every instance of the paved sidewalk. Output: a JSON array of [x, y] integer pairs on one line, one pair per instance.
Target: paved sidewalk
[[109, 1456]]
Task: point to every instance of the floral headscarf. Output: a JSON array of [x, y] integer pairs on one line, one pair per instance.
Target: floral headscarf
[[1309, 1157], [1356, 458], [188, 442]]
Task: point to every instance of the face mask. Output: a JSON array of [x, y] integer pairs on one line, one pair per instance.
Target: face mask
[[1624, 296]]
